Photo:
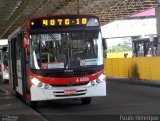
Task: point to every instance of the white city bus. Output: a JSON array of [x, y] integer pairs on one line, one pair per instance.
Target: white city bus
[[57, 57]]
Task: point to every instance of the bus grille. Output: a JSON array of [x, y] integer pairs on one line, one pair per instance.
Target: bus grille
[[66, 85], [60, 93]]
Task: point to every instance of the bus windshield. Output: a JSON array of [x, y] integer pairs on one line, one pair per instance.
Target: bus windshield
[[66, 50]]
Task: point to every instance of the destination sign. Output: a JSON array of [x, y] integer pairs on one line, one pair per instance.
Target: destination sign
[[64, 21], [60, 22]]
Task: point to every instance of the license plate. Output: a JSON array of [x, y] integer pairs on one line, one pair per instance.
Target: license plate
[[70, 92]]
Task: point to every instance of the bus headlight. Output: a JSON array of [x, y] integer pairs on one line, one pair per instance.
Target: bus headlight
[[46, 86], [98, 80], [36, 82], [92, 83], [39, 84]]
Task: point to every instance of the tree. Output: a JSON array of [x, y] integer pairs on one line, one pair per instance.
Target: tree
[[123, 47]]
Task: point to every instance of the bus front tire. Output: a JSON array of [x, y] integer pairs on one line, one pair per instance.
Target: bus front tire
[[32, 104], [86, 100]]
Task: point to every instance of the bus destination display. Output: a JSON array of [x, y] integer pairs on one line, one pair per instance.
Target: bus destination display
[[57, 22]]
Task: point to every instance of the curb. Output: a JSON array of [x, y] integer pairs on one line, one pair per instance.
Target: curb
[[150, 83]]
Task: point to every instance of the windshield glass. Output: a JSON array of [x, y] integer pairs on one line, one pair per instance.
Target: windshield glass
[[66, 50]]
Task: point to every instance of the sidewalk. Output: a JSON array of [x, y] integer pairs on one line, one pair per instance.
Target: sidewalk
[[151, 83], [13, 109]]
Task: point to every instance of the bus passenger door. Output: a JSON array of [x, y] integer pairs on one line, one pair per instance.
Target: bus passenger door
[[21, 65], [12, 63], [0, 64], [16, 64], [17, 70]]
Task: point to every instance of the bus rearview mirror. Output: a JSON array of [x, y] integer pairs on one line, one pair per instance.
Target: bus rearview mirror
[[104, 42]]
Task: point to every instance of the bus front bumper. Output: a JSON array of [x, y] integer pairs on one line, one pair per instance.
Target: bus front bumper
[[71, 92]]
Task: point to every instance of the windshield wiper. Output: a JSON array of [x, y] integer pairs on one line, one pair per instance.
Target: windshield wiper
[[52, 37]]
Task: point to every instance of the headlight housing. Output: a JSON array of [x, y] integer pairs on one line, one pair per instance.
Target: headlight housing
[[40, 84], [101, 78]]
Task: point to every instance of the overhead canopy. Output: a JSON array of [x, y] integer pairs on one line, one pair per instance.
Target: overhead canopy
[[14, 12]]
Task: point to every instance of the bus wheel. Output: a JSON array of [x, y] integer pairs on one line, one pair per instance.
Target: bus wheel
[[86, 100], [32, 104]]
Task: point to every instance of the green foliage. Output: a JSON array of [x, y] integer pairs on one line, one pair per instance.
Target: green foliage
[[123, 47]]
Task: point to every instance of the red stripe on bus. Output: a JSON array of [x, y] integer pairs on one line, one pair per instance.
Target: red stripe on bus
[[64, 81]]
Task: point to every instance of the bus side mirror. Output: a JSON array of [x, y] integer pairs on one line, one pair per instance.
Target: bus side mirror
[[104, 43]]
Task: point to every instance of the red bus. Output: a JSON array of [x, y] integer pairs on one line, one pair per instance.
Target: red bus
[[57, 57]]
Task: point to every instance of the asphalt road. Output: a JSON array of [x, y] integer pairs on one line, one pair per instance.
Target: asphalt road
[[123, 102]]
